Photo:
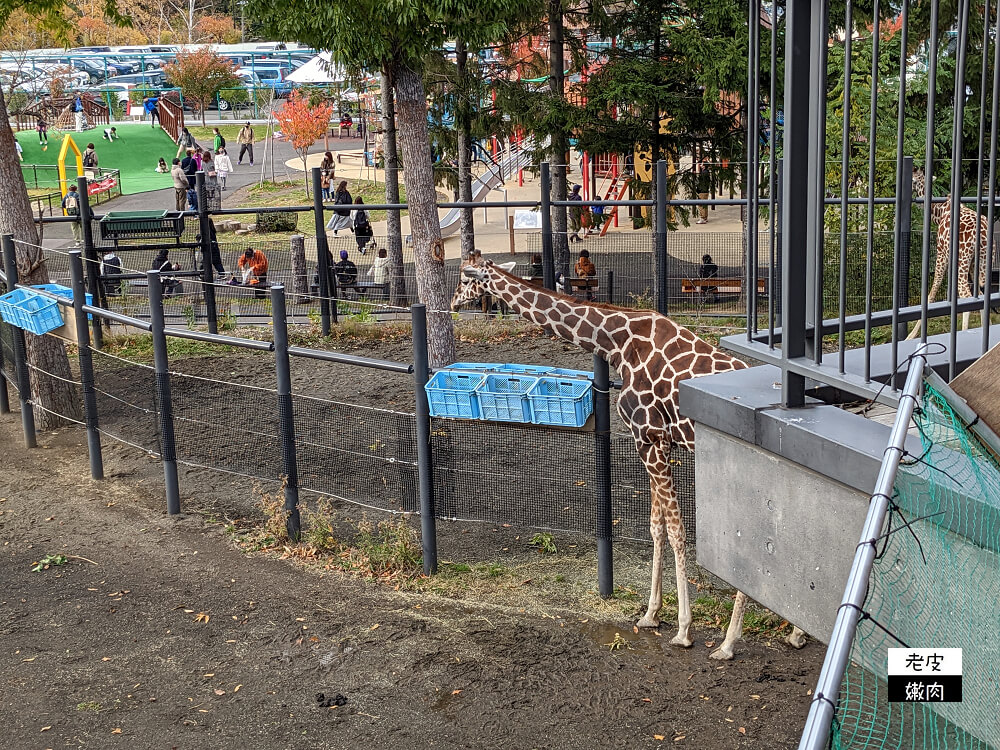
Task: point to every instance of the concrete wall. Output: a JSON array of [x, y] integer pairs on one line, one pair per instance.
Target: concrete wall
[[781, 533]]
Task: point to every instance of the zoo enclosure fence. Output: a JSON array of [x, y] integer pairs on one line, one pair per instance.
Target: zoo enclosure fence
[[586, 480]]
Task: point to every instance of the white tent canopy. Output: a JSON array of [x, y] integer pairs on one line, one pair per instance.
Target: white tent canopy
[[318, 70]]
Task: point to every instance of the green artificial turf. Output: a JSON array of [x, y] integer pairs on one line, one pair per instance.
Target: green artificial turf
[[135, 154]]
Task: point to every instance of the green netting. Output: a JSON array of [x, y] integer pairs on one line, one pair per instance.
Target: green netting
[[951, 600]]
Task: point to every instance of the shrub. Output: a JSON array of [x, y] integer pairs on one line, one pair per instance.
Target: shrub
[[281, 221]]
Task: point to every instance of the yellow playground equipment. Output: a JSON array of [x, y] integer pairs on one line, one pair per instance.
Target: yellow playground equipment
[[68, 144]]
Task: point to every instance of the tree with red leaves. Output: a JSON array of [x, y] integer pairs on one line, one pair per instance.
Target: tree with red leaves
[[201, 75], [303, 121]]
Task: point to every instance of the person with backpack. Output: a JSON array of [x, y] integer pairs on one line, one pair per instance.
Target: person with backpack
[[363, 232], [90, 157], [71, 205], [341, 218], [219, 142]]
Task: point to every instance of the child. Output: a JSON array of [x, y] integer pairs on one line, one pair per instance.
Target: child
[[197, 158], [43, 133], [110, 134], [192, 196], [162, 166], [324, 183], [223, 165], [20, 151]]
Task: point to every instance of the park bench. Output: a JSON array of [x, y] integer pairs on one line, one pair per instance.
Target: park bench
[[586, 286], [359, 288], [719, 285]]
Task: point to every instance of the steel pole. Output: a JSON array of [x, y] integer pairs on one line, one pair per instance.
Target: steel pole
[[86, 366], [286, 412], [602, 440], [661, 237], [90, 256], [205, 229], [165, 411], [548, 258], [20, 352], [322, 252], [425, 478]]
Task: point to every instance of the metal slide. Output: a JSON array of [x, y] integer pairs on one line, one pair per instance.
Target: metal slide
[[481, 186]]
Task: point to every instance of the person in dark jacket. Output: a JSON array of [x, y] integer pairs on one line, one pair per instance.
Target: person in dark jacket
[[216, 252], [162, 264], [341, 218], [708, 270], [345, 271], [190, 166], [363, 232]]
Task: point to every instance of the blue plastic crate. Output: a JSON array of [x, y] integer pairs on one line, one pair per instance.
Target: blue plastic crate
[[524, 369], [64, 291], [474, 366], [504, 397], [453, 394], [566, 402], [560, 372], [27, 309]]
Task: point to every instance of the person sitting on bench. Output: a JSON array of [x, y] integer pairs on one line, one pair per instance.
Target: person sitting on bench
[[111, 270], [346, 272], [585, 269], [708, 270], [161, 263], [379, 271], [252, 266]]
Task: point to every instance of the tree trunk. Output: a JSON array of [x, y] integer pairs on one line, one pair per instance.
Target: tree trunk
[[464, 128], [46, 353], [305, 170], [559, 145], [425, 227], [394, 231], [300, 274]]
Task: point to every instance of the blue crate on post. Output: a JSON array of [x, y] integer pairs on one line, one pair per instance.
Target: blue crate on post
[[63, 291], [453, 394], [524, 369], [566, 402], [504, 397], [27, 309]]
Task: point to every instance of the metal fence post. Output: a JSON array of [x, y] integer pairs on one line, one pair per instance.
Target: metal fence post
[[602, 440], [286, 413], [425, 479], [86, 366], [548, 258], [322, 252], [205, 229], [611, 287], [661, 237], [165, 412], [90, 255], [20, 355], [901, 274], [4, 395]]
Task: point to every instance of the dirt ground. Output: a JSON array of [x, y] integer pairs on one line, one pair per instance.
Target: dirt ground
[[160, 632]]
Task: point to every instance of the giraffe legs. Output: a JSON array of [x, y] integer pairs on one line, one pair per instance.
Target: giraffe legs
[[797, 638], [665, 522], [734, 631]]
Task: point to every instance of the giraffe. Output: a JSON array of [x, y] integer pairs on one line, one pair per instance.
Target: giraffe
[[652, 354], [967, 248]]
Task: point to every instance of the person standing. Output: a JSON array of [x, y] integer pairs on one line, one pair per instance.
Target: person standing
[[190, 166], [78, 113], [180, 184], [575, 214], [245, 139], [223, 166], [213, 194], [43, 133], [71, 205], [20, 151], [341, 218], [363, 232], [151, 105], [184, 142], [218, 141], [90, 157]]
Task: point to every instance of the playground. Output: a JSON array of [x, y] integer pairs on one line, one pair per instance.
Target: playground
[[135, 153]]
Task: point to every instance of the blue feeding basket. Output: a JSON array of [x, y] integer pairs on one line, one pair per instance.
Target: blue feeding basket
[[559, 372], [524, 369], [474, 366], [561, 401], [63, 291], [504, 398], [27, 309], [453, 394]]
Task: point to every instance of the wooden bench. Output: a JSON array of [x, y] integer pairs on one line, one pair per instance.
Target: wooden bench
[[720, 285], [360, 289], [587, 285]]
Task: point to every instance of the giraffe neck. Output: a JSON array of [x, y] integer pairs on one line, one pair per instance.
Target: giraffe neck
[[596, 329]]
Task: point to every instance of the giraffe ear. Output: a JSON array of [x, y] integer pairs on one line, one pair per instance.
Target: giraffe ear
[[473, 272], [508, 267]]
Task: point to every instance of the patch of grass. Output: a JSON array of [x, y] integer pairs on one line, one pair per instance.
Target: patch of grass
[[385, 548], [91, 706], [49, 561], [205, 136], [544, 542], [318, 526]]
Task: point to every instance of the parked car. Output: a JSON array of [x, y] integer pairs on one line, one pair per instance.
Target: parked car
[[148, 78], [147, 60], [133, 65], [109, 91], [93, 68], [271, 77], [250, 81], [168, 49]]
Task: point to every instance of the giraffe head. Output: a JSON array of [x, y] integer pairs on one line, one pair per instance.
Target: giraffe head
[[473, 281]]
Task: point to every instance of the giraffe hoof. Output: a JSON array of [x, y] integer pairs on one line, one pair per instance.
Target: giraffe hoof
[[682, 641], [721, 654], [648, 622], [796, 639]]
